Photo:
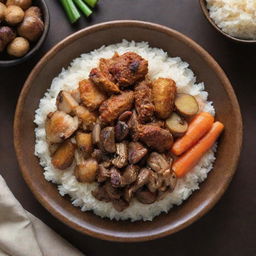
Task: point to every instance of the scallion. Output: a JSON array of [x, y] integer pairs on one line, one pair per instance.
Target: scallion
[[91, 3], [71, 10], [83, 7]]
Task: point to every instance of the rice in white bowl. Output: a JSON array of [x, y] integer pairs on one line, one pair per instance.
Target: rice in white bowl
[[235, 17], [160, 65]]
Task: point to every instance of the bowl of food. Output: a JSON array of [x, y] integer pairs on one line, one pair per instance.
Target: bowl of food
[[235, 20], [113, 131], [24, 27]]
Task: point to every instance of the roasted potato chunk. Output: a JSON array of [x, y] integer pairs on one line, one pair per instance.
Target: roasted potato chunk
[[84, 142], [86, 172], [164, 92], [64, 155], [91, 96], [111, 108], [59, 126], [86, 117], [65, 102]]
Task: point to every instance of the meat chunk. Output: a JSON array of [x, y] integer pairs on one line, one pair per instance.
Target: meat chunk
[[91, 96], [64, 155], [115, 177], [107, 139], [86, 117], [103, 173], [164, 92], [130, 174], [136, 152], [128, 68], [143, 102], [111, 108], [121, 159], [145, 196], [101, 194], [155, 137], [59, 126], [101, 79], [133, 125], [125, 116], [65, 102], [142, 179], [120, 205]]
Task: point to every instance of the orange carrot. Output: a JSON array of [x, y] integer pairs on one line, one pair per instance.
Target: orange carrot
[[187, 161], [198, 127]]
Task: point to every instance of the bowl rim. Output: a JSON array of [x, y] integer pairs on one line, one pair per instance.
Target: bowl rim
[[207, 16], [37, 46], [81, 33]]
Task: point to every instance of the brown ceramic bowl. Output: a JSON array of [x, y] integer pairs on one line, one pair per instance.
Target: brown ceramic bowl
[[207, 15], [176, 44]]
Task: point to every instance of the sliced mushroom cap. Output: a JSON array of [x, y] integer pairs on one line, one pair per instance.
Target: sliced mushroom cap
[[64, 155], [121, 130], [157, 162], [107, 139], [115, 177], [59, 126], [136, 152], [65, 102], [103, 173], [101, 194], [113, 193], [130, 174], [122, 155], [128, 194], [86, 172], [145, 196], [142, 179]]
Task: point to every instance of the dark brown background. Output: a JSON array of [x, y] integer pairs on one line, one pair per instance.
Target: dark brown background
[[230, 228]]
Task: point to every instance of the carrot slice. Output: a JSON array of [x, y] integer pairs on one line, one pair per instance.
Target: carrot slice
[[198, 127], [187, 161]]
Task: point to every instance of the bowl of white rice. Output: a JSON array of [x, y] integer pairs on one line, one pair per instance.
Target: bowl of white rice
[[235, 19], [170, 54]]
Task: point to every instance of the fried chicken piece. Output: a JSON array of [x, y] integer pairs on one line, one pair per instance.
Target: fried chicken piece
[[164, 92], [128, 68], [102, 80], [91, 96], [155, 137], [143, 102], [85, 117], [111, 108]]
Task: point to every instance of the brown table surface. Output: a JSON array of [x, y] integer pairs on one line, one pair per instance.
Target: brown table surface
[[230, 227]]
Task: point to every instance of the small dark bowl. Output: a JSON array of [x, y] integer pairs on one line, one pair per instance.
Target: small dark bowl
[[12, 61], [207, 15]]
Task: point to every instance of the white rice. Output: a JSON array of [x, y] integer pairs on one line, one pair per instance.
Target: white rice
[[235, 17], [160, 65]]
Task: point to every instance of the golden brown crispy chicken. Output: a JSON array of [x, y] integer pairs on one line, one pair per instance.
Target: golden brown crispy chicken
[[91, 97], [123, 70], [143, 102], [128, 68], [111, 108]]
